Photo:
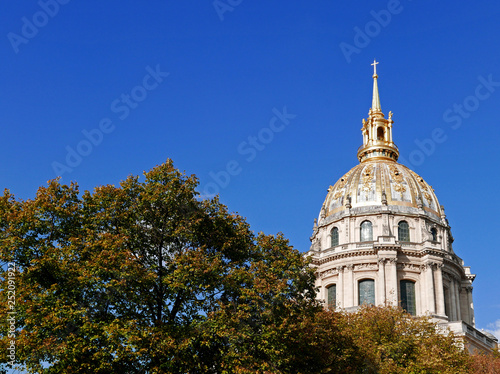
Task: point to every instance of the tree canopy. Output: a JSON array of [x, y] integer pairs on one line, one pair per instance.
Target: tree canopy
[[147, 277], [392, 342]]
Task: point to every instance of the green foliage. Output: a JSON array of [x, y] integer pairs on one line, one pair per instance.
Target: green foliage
[[146, 277], [391, 341]]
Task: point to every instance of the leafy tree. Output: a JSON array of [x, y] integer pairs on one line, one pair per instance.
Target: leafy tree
[[146, 277], [391, 341], [486, 363]]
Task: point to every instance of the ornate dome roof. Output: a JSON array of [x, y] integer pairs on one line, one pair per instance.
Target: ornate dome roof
[[379, 183], [379, 180]]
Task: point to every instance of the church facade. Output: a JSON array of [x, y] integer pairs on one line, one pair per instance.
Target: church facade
[[383, 238]]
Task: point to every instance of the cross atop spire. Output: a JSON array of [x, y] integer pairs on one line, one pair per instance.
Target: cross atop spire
[[375, 63], [376, 98]]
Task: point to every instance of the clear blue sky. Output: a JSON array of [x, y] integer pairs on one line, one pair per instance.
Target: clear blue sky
[[147, 81]]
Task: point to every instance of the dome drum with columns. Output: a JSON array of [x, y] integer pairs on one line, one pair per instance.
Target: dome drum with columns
[[383, 238]]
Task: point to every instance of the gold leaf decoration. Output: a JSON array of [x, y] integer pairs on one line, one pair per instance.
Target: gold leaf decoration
[[397, 177], [398, 187], [428, 197], [367, 178]]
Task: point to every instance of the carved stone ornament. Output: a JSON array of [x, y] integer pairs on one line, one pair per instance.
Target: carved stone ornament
[[426, 232], [397, 177], [430, 265], [428, 197], [421, 181], [342, 182], [409, 267], [328, 273], [317, 244], [348, 202], [323, 213], [366, 267], [367, 178]]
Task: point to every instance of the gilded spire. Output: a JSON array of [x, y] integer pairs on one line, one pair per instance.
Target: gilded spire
[[377, 131], [376, 98]]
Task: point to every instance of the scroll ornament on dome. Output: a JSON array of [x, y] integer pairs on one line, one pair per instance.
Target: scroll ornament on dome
[[368, 178], [398, 180]]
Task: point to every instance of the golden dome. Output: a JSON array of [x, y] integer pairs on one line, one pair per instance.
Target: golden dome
[[382, 183], [379, 180]]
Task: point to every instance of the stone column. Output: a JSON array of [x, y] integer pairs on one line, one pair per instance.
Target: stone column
[[453, 306], [348, 287], [391, 287], [464, 301], [429, 280], [381, 281], [457, 297], [340, 287], [438, 277], [470, 306]]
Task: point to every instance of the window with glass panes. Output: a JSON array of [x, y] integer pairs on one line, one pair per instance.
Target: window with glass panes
[[366, 231], [335, 236], [408, 303], [332, 296], [403, 231], [434, 234], [366, 290], [447, 302]]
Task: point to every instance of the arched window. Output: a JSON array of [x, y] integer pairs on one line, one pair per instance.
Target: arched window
[[434, 234], [366, 231], [335, 236], [408, 303], [366, 292], [380, 133], [331, 297], [403, 231], [447, 302]]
